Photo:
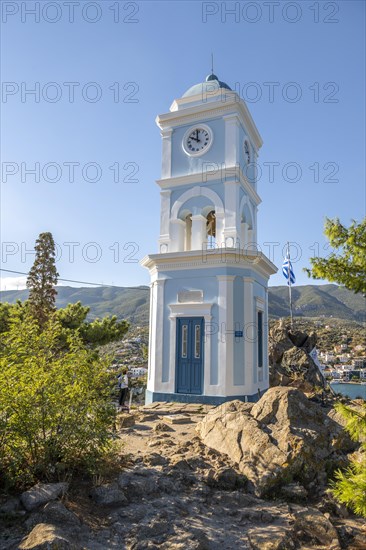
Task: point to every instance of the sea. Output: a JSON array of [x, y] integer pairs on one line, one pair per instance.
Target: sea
[[350, 390]]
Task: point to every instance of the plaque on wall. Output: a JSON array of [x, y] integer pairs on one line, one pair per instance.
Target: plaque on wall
[[189, 296]]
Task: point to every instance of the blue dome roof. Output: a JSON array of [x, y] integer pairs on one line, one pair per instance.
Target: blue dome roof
[[208, 86]]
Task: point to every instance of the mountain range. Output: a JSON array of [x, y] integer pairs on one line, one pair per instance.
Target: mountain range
[[133, 303]]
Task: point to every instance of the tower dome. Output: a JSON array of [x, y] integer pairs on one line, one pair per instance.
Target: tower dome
[[210, 85]]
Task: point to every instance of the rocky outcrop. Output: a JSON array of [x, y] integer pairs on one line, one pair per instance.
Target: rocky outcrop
[[173, 492], [48, 537], [312, 524], [42, 493], [290, 362], [283, 438]]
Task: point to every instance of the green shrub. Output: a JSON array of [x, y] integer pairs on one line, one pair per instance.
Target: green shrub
[[349, 486], [56, 413]]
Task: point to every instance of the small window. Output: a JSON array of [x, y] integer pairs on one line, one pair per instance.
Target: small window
[[260, 338], [197, 341], [247, 152], [184, 341]]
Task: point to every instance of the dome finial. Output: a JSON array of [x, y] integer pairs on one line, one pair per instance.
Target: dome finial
[[211, 76]]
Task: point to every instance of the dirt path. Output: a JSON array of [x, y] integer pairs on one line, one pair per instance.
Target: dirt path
[[176, 494]]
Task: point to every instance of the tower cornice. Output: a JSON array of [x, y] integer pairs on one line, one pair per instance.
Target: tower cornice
[[203, 259], [231, 103], [226, 174]]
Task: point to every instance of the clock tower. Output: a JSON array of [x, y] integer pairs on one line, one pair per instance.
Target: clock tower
[[209, 295]]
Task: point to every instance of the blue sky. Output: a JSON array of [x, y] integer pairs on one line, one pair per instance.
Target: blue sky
[[127, 67]]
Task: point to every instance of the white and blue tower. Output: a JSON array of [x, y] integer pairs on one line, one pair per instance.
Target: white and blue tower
[[209, 282]]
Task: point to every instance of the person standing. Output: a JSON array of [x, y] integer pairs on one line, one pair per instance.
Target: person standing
[[123, 387]]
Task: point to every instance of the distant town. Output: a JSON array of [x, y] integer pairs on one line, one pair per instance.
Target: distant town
[[132, 353], [344, 361], [343, 364]]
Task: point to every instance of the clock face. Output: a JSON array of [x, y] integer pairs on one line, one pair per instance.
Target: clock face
[[197, 140]]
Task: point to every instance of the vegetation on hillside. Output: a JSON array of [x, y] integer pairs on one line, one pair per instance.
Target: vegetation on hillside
[[132, 304], [72, 317]]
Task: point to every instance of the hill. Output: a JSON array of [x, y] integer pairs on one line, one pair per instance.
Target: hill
[[133, 303], [125, 303], [318, 301]]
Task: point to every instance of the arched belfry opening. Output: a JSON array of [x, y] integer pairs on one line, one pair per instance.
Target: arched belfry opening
[[248, 236], [211, 229]]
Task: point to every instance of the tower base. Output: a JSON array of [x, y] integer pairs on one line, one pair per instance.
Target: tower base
[[152, 397]]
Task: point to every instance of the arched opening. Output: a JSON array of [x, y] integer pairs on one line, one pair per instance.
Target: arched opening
[[247, 232], [211, 229], [197, 217]]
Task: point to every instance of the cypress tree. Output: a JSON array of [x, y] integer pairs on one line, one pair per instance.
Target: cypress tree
[[42, 279]]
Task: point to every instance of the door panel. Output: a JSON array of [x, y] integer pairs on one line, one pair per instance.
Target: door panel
[[190, 355]]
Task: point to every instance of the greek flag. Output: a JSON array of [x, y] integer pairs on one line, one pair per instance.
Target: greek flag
[[288, 271]]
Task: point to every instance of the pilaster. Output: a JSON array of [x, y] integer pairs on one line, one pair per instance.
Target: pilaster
[[157, 375], [225, 330], [166, 169], [249, 333]]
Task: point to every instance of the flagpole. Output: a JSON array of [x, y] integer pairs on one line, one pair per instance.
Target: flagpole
[[289, 284]]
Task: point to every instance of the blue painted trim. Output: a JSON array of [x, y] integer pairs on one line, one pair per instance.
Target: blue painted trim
[[151, 397]]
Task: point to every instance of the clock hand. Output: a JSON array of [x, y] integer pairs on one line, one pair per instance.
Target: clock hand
[[195, 139]]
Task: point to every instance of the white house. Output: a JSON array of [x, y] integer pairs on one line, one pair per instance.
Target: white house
[[138, 371], [209, 299], [359, 362]]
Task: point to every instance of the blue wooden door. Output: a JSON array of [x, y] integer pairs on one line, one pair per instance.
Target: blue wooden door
[[190, 355]]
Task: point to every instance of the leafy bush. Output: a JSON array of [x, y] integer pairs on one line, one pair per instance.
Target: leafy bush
[[349, 486], [55, 408], [94, 333]]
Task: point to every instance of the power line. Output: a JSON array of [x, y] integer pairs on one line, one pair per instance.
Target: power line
[[80, 282]]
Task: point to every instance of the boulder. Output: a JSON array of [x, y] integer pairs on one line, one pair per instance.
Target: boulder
[[294, 492], [41, 494], [301, 370], [162, 427], [290, 361], [125, 420], [312, 524], [54, 513], [284, 438], [47, 537], [270, 537], [137, 484], [302, 339], [225, 478], [11, 505], [109, 495], [278, 342]]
